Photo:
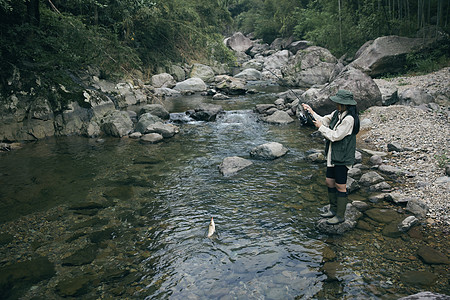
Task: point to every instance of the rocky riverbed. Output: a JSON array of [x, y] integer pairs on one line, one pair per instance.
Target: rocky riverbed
[[416, 139]]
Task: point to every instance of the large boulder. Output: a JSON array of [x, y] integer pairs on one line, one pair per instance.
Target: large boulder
[[206, 73], [249, 74], [156, 110], [191, 85], [364, 89], [145, 120], [238, 42], [163, 80], [117, 124], [386, 54], [127, 95], [231, 85], [415, 96], [277, 60], [313, 65], [269, 151]]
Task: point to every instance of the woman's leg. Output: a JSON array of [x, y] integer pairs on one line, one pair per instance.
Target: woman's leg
[[332, 197], [341, 193]]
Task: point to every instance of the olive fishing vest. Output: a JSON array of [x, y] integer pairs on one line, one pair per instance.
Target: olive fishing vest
[[343, 151]]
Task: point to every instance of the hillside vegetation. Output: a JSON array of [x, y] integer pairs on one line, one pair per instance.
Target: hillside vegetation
[[51, 37]]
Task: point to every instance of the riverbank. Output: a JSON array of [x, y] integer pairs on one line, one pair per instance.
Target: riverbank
[[422, 135]]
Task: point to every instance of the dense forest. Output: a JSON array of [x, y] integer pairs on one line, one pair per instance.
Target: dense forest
[[122, 35]]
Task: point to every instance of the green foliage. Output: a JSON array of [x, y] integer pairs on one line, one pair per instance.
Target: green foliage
[[442, 159], [430, 59]]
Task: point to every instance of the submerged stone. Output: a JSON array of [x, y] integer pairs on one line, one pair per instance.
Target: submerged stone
[[15, 278], [432, 256], [421, 278], [81, 257]]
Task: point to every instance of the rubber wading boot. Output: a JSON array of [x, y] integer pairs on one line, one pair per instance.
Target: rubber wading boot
[[340, 212], [332, 198]]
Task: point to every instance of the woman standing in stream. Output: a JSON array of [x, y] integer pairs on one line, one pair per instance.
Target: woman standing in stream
[[339, 129]]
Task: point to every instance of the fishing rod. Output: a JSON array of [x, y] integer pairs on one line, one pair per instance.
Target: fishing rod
[[304, 114]]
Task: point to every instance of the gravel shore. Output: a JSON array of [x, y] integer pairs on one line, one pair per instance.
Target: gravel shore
[[423, 133]]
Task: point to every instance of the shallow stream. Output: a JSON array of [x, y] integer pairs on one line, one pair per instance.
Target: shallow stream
[[143, 211]]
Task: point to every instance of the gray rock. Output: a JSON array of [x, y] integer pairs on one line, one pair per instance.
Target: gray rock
[[238, 42], [385, 54], [397, 198], [317, 157], [145, 120], [277, 61], [366, 123], [191, 85], [311, 66], [415, 96], [279, 117], [269, 151], [407, 223], [391, 170], [135, 135], [380, 187], [352, 214], [177, 72], [231, 165], [294, 47], [127, 95], [364, 90], [151, 138], [352, 185], [220, 96], [206, 73], [376, 160], [262, 108], [389, 92], [206, 112], [249, 74], [370, 178], [417, 207], [358, 157], [377, 198], [117, 124], [354, 172], [163, 92], [394, 147], [426, 296], [166, 130], [163, 80], [156, 110], [231, 85]]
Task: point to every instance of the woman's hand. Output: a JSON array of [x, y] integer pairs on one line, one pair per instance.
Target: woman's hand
[[317, 123], [307, 107]]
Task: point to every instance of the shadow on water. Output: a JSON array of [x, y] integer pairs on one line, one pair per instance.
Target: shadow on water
[[143, 211]]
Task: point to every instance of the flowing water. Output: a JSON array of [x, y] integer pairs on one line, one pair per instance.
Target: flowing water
[[156, 203]]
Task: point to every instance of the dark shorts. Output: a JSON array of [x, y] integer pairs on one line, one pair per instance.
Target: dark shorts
[[338, 173]]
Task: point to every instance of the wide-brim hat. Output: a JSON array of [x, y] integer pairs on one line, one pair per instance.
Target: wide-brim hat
[[343, 97]]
